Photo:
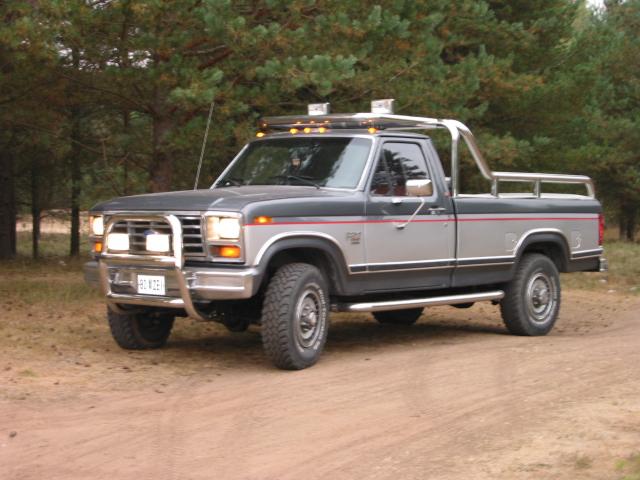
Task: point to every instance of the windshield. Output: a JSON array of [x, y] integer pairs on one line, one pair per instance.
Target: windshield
[[320, 162]]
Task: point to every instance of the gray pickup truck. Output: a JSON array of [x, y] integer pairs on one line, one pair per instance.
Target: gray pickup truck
[[342, 212]]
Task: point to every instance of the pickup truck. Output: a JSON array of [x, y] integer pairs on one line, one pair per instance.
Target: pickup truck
[[340, 212]]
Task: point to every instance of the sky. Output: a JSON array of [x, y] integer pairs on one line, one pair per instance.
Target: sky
[[595, 3]]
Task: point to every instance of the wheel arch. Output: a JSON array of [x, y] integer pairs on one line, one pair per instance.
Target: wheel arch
[[552, 243], [320, 251]]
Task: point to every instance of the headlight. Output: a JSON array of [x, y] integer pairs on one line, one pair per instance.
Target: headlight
[[118, 241], [96, 225], [227, 228]]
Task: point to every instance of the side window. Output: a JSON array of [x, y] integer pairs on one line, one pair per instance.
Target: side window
[[398, 163], [381, 181]]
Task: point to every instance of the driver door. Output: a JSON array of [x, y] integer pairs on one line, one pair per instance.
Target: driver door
[[408, 234]]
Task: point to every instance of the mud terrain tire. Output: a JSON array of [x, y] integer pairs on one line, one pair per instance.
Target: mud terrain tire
[[140, 331], [295, 316], [531, 303]]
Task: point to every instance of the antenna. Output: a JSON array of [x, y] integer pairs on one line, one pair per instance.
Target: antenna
[[204, 143]]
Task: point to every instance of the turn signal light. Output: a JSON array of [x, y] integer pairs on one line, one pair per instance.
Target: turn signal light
[[97, 247], [262, 219], [229, 251]]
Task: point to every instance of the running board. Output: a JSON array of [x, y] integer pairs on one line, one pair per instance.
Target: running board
[[420, 302]]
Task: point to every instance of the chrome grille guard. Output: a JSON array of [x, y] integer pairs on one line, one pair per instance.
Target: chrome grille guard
[[173, 263]]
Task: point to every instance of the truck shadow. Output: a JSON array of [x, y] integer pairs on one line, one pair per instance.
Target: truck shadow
[[369, 333], [245, 349]]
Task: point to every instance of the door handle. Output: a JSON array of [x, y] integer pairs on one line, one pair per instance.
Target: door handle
[[436, 210]]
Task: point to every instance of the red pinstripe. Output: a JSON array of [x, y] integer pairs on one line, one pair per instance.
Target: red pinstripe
[[487, 219]]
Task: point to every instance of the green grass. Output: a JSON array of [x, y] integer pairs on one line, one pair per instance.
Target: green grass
[[629, 467], [54, 278], [623, 275], [51, 244]]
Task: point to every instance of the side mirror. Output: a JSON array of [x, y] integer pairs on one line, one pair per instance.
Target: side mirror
[[419, 188]]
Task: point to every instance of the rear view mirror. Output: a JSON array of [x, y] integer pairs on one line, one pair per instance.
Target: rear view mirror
[[419, 188]]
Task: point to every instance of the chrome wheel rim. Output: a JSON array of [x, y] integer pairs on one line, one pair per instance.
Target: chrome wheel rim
[[540, 297], [308, 318]]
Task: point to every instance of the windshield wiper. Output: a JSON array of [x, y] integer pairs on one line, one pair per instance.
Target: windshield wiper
[[306, 180]]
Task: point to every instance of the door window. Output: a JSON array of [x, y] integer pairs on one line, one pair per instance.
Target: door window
[[398, 162]]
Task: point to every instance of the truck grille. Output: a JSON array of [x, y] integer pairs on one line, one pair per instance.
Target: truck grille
[[193, 246]]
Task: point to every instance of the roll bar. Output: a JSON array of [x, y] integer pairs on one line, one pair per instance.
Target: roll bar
[[456, 129]]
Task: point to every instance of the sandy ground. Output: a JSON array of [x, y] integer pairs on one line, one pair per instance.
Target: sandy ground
[[453, 397]]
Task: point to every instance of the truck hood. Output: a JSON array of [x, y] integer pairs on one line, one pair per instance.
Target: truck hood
[[227, 198]]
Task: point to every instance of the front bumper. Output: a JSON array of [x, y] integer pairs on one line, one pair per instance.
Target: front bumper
[[186, 287], [204, 284]]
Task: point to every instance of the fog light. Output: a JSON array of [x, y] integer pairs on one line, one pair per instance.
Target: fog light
[[118, 241], [157, 243]]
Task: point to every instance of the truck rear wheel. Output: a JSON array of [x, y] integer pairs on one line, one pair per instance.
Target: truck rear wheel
[[140, 331], [399, 317], [532, 299], [295, 316]]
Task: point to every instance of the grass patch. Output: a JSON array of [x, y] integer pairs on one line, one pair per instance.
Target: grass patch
[[623, 275], [629, 467], [583, 462], [51, 244], [51, 280]]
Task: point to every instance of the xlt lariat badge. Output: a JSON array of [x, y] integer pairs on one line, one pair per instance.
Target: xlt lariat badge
[[354, 237]]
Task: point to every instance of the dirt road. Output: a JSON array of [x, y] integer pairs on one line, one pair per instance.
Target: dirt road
[[452, 397]]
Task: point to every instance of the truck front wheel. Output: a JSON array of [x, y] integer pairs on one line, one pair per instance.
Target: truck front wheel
[[295, 316], [140, 331], [532, 299]]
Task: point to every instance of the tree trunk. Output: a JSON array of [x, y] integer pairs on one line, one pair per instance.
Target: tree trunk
[[76, 177], [631, 223], [126, 116], [35, 209], [7, 205], [76, 174], [160, 168], [622, 224]]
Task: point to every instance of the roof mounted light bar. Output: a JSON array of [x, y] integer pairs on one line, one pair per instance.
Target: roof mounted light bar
[[317, 109], [384, 106]]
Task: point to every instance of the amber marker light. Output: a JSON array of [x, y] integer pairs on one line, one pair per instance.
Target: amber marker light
[[322, 130], [262, 219], [260, 134], [372, 130], [229, 251], [97, 247], [293, 131], [307, 130]]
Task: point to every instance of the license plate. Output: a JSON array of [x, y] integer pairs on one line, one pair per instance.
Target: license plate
[[151, 284]]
